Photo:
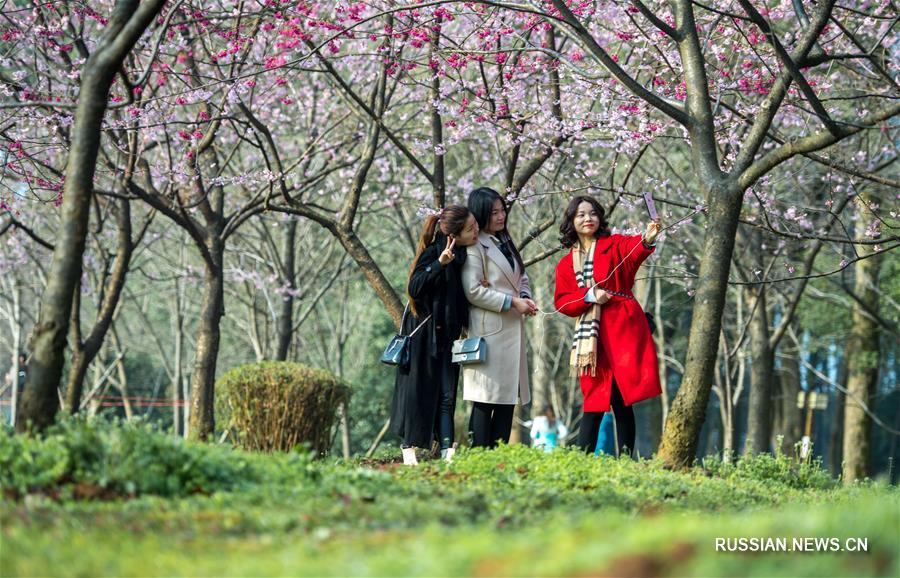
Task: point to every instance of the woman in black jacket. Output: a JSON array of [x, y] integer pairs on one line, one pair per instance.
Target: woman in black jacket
[[425, 391]]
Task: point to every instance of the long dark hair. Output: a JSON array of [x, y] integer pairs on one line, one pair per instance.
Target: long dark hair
[[481, 203], [450, 221], [567, 234]]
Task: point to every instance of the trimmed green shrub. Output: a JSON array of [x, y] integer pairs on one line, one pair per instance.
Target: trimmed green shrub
[[278, 405]]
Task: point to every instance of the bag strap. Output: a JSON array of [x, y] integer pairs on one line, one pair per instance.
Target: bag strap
[[403, 317], [403, 321], [424, 321], [484, 259]]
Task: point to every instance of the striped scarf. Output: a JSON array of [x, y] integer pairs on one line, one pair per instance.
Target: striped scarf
[[586, 344]]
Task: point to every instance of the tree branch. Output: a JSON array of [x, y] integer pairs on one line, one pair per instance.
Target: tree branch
[[808, 144], [28, 231], [585, 37], [658, 22], [792, 68], [772, 102]]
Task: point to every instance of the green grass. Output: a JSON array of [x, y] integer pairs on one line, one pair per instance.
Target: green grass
[[508, 512]]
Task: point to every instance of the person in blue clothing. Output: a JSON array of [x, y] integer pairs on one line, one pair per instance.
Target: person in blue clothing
[[547, 431], [606, 439]]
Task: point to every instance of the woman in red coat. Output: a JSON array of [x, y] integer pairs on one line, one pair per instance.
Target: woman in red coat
[[612, 351]]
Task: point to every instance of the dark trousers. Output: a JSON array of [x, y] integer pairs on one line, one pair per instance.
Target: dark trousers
[[442, 419], [625, 426], [446, 409], [490, 423]]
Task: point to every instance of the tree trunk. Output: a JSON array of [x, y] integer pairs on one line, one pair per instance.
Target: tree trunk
[[714, 439], [515, 434], [863, 355], [728, 433], [345, 430], [438, 186], [790, 425], [688, 411], [836, 435], [542, 348], [15, 321], [286, 318], [759, 414], [123, 375], [178, 416], [84, 353], [727, 401], [342, 335], [40, 400], [202, 420], [98, 388], [186, 408], [77, 370], [661, 353], [126, 25]]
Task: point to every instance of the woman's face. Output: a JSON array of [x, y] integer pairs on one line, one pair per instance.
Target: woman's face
[[586, 221], [497, 221], [469, 234]]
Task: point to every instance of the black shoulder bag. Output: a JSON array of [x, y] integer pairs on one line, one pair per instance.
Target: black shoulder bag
[[397, 351]]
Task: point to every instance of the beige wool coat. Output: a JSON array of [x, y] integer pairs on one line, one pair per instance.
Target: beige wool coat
[[503, 378]]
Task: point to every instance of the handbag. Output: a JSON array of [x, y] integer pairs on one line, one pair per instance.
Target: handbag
[[469, 350], [397, 351]]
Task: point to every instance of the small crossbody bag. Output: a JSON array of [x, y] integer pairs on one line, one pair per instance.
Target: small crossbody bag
[[397, 351], [471, 349]]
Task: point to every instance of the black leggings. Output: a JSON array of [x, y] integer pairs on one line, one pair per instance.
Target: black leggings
[[625, 428], [446, 409], [490, 423]]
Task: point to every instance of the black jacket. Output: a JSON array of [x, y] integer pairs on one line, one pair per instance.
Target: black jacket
[[437, 291]]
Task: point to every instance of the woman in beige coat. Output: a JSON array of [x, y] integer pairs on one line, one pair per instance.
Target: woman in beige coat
[[499, 296]]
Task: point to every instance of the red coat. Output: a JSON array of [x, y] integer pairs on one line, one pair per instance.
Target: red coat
[[626, 351]]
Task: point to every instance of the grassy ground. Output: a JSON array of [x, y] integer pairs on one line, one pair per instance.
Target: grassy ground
[[92, 500]]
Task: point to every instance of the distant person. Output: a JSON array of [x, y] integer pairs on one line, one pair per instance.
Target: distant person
[[17, 381], [21, 377], [547, 431], [606, 438]]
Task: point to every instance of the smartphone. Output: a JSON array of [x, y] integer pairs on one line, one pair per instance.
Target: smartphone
[[651, 207]]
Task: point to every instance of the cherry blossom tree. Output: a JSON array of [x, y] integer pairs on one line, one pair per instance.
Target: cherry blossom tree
[[739, 129], [126, 25], [244, 123]]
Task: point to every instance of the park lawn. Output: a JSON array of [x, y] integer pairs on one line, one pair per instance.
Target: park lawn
[[510, 512]]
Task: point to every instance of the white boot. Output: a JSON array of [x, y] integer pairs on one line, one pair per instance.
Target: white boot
[[409, 456]]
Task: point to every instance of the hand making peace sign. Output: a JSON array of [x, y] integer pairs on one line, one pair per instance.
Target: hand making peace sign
[[447, 254]]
